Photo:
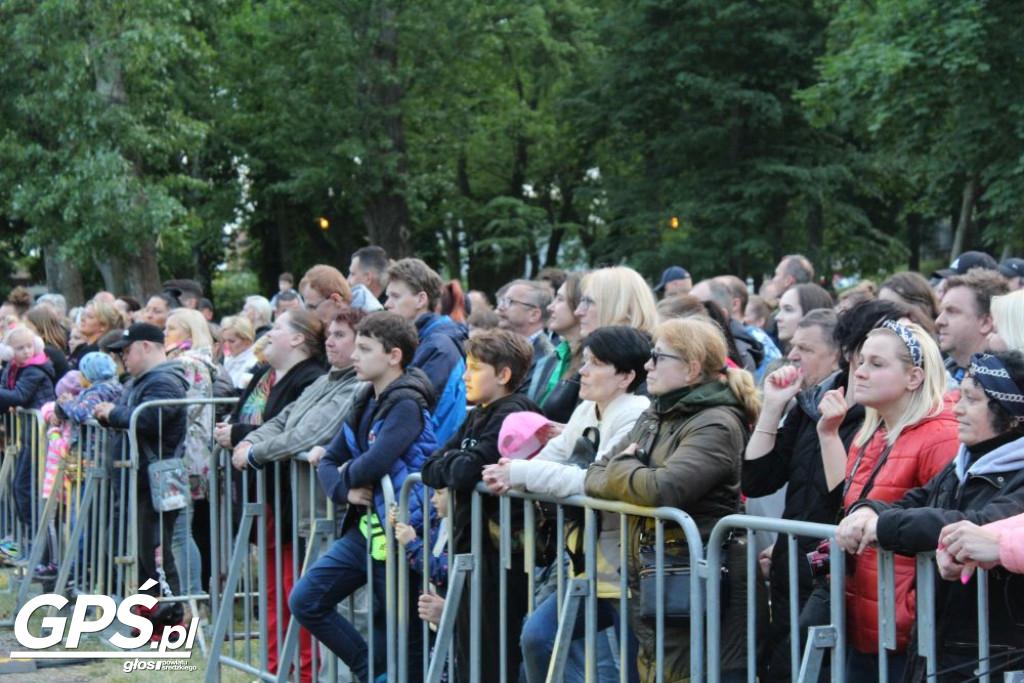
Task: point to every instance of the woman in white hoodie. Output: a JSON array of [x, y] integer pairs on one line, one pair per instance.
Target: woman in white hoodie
[[613, 369]]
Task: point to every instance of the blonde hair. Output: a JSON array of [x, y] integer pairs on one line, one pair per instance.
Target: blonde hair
[[699, 339], [195, 323], [107, 314], [622, 297], [259, 348], [1008, 313], [926, 401], [240, 325]]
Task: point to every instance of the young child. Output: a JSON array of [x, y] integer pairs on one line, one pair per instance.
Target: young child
[[387, 432], [497, 363], [26, 382]]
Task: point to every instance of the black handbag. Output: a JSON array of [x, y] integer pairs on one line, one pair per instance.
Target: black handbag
[[676, 583]]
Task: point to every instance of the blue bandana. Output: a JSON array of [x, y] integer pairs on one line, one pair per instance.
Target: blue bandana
[[908, 339], [991, 374]]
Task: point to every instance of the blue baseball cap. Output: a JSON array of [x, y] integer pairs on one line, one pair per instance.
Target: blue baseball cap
[[671, 274]]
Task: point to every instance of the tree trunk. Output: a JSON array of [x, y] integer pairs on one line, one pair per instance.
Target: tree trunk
[[63, 277], [914, 230], [966, 211]]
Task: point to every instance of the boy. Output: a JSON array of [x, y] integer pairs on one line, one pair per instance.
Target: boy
[[387, 431], [497, 363]]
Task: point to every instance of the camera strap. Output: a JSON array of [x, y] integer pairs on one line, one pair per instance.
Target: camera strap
[[874, 473]]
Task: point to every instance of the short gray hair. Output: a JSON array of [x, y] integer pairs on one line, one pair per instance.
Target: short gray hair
[[262, 307]]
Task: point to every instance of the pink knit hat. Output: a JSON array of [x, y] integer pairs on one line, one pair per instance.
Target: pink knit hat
[[518, 438]]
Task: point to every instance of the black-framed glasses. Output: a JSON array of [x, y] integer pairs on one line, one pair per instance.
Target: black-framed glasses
[[507, 301], [658, 355]]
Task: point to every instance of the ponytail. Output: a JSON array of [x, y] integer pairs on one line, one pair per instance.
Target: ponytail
[[742, 385]]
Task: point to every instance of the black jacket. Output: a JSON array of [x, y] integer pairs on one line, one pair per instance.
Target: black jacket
[[459, 464], [912, 525], [161, 432], [751, 351], [282, 393], [563, 399], [33, 386], [796, 460]]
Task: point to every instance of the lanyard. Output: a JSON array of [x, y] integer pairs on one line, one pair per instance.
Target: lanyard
[[874, 473]]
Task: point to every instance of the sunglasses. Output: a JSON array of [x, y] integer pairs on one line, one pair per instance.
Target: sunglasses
[[658, 355]]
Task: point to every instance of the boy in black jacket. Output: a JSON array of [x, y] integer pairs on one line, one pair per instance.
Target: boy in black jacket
[[497, 363]]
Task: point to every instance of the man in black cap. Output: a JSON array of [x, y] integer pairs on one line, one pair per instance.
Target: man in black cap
[[965, 262], [160, 435], [675, 280], [1013, 270]]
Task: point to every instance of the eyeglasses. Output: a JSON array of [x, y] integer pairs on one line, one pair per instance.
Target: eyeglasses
[[313, 307], [506, 302], [658, 355], [586, 302]]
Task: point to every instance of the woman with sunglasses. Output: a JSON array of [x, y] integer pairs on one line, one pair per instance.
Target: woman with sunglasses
[[685, 452], [983, 483], [908, 436]]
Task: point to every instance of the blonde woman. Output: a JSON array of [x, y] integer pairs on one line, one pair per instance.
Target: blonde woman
[[187, 339], [616, 296], [908, 436], [98, 318], [1008, 321], [686, 452], [237, 336]]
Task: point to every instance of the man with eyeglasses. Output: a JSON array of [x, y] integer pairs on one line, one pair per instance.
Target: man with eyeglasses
[[326, 292], [523, 309]]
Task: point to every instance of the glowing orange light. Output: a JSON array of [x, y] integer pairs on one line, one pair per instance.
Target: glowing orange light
[[674, 222], [324, 223]]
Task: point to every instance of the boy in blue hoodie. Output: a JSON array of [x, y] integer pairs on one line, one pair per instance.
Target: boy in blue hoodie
[[386, 432]]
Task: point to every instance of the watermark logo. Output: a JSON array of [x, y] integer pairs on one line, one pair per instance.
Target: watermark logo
[[175, 643]]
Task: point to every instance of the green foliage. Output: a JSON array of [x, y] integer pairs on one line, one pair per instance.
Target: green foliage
[[230, 289]]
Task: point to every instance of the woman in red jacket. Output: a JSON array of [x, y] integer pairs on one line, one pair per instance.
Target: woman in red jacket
[[907, 438]]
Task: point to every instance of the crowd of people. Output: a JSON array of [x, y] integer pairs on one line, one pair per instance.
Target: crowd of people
[[894, 410]]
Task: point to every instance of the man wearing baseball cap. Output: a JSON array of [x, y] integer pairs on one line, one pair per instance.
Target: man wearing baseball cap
[[965, 262], [675, 280], [160, 435], [1013, 270]]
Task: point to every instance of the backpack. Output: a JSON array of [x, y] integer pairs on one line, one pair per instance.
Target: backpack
[[450, 410]]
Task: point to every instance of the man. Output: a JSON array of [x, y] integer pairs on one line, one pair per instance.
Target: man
[[965, 319], [369, 268], [524, 310], [675, 280], [161, 435], [326, 292], [187, 292], [751, 351], [794, 269], [287, 301], [414, 292], [1012, 269], [784, 458]]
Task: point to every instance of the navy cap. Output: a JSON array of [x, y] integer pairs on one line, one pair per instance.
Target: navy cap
[[138, 332], [671, 274], [965, 262], [1012, 267]]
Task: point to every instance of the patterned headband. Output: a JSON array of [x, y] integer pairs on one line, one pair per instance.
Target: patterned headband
[[909, 340], [991, 374]]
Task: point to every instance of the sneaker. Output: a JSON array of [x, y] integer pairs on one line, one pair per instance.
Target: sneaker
[[9, 552], [45, 572]]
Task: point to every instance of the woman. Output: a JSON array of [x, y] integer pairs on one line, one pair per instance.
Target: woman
[[984, 483], [97, 319], [688, 306], [237, 335], [158, 308], [913, 290], [613, 368], [686, 453], [907, 438], [294, 352], [616, 296], [964, 546], [187, 340], [45, 323], [1007, 322], [794, 304], [555, 387]]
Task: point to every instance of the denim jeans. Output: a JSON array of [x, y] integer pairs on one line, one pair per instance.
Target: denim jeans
[[331, 579], [190, 564], [864, 667], [538, 642]]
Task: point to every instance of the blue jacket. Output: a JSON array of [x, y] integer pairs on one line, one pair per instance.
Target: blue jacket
[[349, 446], [441, 356], [33, 386]]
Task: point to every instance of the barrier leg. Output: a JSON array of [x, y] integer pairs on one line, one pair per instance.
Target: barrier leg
[[819, 639], [41, 539], [926, 645], [578, 589], [464, 564]]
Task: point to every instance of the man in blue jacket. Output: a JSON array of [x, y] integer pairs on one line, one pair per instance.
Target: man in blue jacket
[[414, 292], [387, 432], [160, 435]]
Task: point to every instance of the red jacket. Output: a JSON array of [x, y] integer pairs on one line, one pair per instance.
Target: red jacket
[[919, 453]]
